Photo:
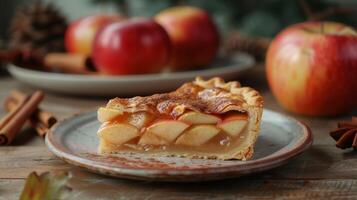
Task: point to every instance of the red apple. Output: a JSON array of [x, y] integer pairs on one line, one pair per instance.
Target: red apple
[[80, 33], [312, 68], [136, 46], [193, 34]]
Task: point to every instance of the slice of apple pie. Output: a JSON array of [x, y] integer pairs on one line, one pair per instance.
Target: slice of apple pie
[[201, 119]]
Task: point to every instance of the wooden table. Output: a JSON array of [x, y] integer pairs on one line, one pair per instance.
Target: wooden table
[[322, 172]]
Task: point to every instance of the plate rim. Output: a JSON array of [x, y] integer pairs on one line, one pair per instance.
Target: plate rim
[[265, 163], [249, 62]]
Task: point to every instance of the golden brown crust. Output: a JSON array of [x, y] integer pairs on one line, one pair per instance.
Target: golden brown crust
[[211, 96]]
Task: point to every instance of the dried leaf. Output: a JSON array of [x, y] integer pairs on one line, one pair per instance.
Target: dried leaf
[[46, 186]]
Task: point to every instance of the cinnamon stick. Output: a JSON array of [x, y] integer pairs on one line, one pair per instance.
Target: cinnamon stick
[[64, 62], [40, 124], [13, 126], [6, 119], [44, 117], [69, 63]]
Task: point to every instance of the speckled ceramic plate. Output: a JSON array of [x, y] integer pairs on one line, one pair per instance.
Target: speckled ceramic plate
[[75, 141], [227, 68]]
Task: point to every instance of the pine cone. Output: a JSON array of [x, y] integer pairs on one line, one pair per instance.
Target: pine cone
[[257, 46], [38, 28]]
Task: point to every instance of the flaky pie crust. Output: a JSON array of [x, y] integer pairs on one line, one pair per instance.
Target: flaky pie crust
[[207, 96]]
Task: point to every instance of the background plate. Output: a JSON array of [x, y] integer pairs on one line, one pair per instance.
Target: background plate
[[75, 141], [129, 84]]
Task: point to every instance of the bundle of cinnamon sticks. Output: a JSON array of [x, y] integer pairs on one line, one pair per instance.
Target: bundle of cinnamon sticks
[[21, 109]]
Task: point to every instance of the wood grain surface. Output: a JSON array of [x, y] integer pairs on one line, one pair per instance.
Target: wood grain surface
[[322, 172]]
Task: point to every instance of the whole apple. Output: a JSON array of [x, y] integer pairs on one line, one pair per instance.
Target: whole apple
[[312, 68], [193, 34], [80, 33], [136, 46]]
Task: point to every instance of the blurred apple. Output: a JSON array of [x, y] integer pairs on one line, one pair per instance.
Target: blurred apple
[[193, 34], [136, 46], [80, 33], [312, 68]]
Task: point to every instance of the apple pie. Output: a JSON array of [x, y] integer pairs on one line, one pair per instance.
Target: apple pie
[[207, 119]]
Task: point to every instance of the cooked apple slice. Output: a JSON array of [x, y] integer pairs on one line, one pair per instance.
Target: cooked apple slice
[[152, 139], [169, 130], [118, 133], [233, 124], [105, 147], [197, 135], [199, 118], [107, 114], [140, 119]]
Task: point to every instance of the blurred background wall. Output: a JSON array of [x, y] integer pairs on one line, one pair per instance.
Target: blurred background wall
[[254, 17]]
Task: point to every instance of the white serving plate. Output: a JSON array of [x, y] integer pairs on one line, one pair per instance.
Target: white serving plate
[[90, 85]]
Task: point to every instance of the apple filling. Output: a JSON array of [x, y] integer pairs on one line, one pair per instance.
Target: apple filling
[[201, 119], [192, 133]]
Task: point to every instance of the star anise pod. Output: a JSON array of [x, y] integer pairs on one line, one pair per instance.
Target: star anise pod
[[346, 134]]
